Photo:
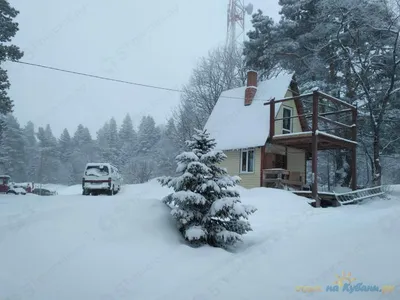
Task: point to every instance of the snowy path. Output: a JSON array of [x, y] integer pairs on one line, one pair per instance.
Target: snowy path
[[125, 247]]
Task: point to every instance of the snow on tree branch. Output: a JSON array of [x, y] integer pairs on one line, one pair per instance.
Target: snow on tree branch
[[205, 207]]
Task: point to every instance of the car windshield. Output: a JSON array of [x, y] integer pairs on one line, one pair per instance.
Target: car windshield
[[96, 171]]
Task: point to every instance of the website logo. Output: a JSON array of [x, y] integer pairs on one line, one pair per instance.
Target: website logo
[[347, 283]]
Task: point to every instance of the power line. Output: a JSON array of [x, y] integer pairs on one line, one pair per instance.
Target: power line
[[96, 76], [113, 79], [119, 80]]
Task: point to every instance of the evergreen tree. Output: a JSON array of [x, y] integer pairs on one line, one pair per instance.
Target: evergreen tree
[[206, 209], [107, 142], [113, 142], [257, 51], [32, 157], [65, 146], [49, 156], [84, 151], [12, 151], [127, 133], [166, 150], [127, 146], [8, 29], [148, 135], [127, 139]]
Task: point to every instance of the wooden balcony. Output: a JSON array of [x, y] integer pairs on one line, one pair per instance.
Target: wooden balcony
[[280, 178]]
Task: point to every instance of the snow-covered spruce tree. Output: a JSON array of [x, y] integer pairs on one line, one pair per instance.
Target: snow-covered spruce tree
[[206, 209]]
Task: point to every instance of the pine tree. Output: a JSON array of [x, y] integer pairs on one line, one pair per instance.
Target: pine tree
[[206, 208], [84, 151], [127, 146], [107, 142], [127, 140], [12, 150], [8, 29], [257, 51], [166, 150], [65, 146], [148, 135], [49, 156], [32, 156], [113, 141]]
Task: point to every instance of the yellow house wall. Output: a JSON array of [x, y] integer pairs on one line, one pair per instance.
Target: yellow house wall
[[296, 126], [232, 164], [296, 161]]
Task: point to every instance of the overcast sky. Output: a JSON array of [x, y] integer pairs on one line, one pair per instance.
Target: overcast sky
[[155, 42]]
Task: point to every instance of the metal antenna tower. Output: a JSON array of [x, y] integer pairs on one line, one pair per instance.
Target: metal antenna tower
[[236, 21]]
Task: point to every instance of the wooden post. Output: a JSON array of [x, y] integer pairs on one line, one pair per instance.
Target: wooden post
[[315, 149], [354, 150], [272, 119], [262, 166]]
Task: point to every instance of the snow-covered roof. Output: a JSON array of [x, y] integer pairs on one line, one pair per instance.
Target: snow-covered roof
[[236, 126]]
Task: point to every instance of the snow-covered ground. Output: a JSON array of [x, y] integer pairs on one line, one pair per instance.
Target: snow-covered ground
[[126, 247]]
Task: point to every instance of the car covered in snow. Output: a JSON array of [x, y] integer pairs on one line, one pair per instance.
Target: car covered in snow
[[8, 187], [15, 189], [100, 178], [43, 192]]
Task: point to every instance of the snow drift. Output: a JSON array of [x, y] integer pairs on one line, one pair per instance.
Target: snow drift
[[127, 247]]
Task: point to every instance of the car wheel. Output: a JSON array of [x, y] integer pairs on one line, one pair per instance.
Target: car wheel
[[111, 191], [11, 192]]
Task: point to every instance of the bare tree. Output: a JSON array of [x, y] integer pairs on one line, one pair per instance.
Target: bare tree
[[142, 170], [219, 71]]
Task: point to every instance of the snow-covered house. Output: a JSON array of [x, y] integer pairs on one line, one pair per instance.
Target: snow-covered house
[[240, 124]]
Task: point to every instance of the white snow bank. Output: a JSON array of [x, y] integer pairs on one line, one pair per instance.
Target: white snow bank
[[70, 190], [126, 247]]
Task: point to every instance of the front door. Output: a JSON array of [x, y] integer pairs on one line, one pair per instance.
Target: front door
[[280, 161]]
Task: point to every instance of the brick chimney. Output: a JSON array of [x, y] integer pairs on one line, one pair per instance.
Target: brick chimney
[[251, 88]]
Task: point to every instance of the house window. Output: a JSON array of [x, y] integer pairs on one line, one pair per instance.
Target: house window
[[247, 161], [287, 120]]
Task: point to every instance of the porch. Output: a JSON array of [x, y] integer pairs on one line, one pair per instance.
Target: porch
[[315, 135], [282, 178]]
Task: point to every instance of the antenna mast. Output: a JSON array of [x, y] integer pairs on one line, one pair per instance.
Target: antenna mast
[[236, 22]]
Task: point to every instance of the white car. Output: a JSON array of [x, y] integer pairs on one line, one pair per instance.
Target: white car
[[16, 190], [100, 178]]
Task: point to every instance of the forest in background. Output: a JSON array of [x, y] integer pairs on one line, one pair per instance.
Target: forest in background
[[30, 154]]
